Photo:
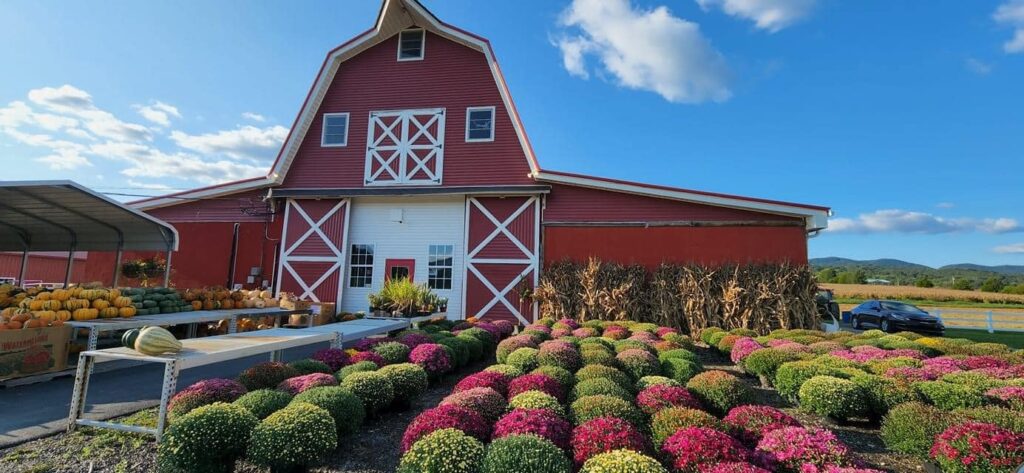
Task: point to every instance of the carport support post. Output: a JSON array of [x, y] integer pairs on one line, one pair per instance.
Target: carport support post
[[167, 269], [71, 260], [24, 268], [117, 263]]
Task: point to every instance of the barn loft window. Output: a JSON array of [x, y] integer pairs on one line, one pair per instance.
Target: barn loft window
[[361, 266], [439, 266], [410, 45], [480, 124], [335, 132]]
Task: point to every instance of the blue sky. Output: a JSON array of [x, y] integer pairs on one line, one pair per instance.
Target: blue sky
[[907, 120]]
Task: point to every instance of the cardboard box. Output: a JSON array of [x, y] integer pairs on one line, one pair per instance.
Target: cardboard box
[[33, 351], [289, 302], [323, 313]]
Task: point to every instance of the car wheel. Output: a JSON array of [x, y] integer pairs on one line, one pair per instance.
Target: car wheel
[[885, 325], [855, 321]]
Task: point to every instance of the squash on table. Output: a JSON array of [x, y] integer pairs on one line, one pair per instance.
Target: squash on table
[[151, 340]]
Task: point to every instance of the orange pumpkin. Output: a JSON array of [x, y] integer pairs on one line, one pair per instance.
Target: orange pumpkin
[[208, 304], [33, 323], [197, 305], [57, 323], [227, 303], [126, 312], [84, 314], [100, 304], [108, 312], [14, 325], [63, 315]]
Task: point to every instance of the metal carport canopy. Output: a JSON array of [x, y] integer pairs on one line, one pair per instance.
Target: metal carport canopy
[[65, 216]]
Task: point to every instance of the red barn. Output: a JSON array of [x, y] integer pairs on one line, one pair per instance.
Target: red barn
[[408, 158]]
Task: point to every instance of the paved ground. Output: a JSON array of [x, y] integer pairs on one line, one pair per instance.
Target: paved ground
[[41, 409]]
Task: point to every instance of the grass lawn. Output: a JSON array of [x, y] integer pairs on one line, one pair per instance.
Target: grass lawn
[[1011, 339]]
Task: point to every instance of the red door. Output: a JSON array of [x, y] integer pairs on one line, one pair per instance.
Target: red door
[[399, 268]]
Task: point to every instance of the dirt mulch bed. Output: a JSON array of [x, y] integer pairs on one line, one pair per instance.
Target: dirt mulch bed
[[861, 437], [373, 450]]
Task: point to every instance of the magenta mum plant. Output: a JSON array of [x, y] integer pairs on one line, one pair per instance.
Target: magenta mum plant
[[743, 347], [662, 331], [505, 327], [691, 447], [539, 328], [484, 401], [750, 423], [485, 379], [789, 448], [414, 339], [431, 357], [536, 382], [646, 337], [570, 323], [367, 356], [1010, 396], [605, 434], [540, 422], [809, 468], [490, 328], [732, 467], [586, 332], [561, 354], [207, 391], [299, 384], [333, 357], [560, 332], [910, 374], [445, 417], [975, 362], [662, 396], [978, 447]]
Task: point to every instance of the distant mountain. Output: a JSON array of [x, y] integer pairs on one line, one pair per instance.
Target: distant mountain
[[837, 262], [1013, 270], [904, 272]]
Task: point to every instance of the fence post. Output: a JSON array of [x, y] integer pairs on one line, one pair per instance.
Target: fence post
[[990, 329]]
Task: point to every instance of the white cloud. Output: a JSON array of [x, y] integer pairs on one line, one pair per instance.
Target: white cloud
[[1012, 248], [146, 161], [643, 49], [771, 15], [977, 66], [70, 100], [72, 133], [158, 112], [945, 205], [64, 159], [149, 185], [903, 221], [254, 117], [246, 142], [1011, 14]]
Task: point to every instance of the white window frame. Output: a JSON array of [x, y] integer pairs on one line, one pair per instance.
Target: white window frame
[[352, 266], [469, 111], [323, 130], [423, 45], [451, 267]]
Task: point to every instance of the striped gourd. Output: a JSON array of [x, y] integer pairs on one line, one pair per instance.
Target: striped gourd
[[151, 341]]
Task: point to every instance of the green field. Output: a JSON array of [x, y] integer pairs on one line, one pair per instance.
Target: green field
[[1011, 339]]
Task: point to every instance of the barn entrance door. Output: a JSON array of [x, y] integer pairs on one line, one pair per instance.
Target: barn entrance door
[[502, 262], [399, 268], [313, 249]]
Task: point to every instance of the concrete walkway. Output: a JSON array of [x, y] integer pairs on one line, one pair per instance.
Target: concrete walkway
[[38, 410]]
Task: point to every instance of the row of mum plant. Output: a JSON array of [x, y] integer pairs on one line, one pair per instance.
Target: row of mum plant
[[943, 400], [288, 415], [609, 397]]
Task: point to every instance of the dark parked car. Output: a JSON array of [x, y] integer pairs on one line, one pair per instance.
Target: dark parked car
[[893, 316]]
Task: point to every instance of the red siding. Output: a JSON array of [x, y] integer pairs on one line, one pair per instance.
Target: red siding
[[226, 208], [653, 245], [450, 76], [582, 204], [204, 254], [45, 268]]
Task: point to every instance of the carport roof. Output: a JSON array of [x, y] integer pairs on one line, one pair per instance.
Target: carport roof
[[63, 215]]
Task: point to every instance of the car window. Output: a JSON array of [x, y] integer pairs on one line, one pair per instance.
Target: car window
[[901, 307]]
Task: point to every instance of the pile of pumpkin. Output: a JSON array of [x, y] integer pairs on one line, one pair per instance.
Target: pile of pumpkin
[[214, 298], [36, 309]]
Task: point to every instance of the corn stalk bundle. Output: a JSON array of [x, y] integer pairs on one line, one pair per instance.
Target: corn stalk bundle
[[689, 297]]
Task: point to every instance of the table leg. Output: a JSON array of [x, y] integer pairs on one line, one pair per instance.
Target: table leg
[[233, 325], [338, 341], [170, 384], [309, 320], [94, 339], [191, 331], [81, 388], [275, 355]]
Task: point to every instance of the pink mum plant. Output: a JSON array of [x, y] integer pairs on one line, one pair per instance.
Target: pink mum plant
[[444, 417], [540, 422], [691, 447], [661, 396], [978, 447], [605, 434]]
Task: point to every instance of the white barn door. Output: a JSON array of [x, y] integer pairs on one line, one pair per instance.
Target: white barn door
[[405, 147]]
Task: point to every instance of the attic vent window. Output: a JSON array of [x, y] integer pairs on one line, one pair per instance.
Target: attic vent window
[[410, 45]]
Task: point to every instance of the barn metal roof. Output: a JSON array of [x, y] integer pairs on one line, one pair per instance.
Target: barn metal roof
[[63, 215]]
